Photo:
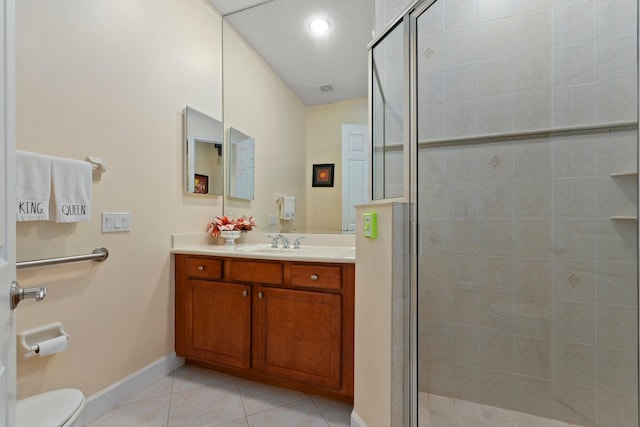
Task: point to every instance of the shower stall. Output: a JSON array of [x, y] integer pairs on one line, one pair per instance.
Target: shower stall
[[512, 128]]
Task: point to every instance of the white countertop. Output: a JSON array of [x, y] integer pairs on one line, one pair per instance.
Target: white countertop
[[256, 247]]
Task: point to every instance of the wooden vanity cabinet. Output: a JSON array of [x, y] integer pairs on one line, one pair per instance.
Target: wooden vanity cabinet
[[216, 304], [203, 306], [299, 335], [281, 322]]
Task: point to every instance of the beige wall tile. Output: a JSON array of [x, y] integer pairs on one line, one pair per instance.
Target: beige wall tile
[[533, 159], [574, 238], [496, 312], [532, 198], [461, 236], [532, 238], [574, 156], [574, 280], [532, 316], [574, 197], [532, 357], [616, 283], [616, 240], [615, 367], [533, 277], [496, 237], [617, 326], [617, 409], [574, 363], [495, 274], [574, 321]]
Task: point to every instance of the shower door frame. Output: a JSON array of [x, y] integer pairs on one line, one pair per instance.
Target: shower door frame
[[408, 20]]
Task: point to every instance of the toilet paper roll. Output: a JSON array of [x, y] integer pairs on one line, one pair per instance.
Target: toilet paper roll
[[52, 346]]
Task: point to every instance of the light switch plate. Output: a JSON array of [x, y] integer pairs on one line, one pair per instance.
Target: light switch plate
[[116, 222]]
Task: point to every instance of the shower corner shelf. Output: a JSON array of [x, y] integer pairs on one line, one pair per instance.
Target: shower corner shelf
[[628, 173], [625, 217]]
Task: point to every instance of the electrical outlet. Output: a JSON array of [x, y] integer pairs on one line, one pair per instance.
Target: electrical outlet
[[370, 225]]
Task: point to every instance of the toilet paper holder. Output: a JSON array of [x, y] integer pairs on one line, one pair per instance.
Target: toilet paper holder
[[29, 340]]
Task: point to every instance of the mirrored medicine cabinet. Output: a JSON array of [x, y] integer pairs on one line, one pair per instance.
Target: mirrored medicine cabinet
[[203, 153]]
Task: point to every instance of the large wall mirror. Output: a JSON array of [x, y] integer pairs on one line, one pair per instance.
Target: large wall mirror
[[241, 164], [295, 105], [203, 153]]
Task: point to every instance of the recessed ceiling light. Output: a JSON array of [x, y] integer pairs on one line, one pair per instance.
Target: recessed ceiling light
[[319, 25]]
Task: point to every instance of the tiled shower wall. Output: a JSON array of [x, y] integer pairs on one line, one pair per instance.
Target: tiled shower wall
[[527, 286], [488, 67], [527, 272]]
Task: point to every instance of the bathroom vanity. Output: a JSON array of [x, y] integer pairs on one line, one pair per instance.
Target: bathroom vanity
[[281, 317]]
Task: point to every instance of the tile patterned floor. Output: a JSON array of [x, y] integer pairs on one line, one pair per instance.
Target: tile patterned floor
[[439, 411], [197, 397]]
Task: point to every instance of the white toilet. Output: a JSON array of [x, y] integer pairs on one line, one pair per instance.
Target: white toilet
[[58, 408]]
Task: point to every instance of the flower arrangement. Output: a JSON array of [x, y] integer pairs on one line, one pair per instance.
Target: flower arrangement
[[227, 223]]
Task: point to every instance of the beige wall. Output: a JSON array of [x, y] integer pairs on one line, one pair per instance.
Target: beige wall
[[290, 138], [324, 145], [259, 104], [112, 82], [110, 79]]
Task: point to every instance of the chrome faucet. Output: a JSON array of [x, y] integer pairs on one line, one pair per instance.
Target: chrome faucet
[[274, 241], [285, 242], [296, 243]]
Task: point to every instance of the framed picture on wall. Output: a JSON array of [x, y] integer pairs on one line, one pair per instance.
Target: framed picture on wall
[[322, 175], [201, 184]]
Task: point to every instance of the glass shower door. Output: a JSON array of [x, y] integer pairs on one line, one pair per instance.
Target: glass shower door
[[526, 122], [387, 99]]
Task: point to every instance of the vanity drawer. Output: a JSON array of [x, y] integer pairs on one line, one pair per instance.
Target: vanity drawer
[[256, 272], [316, 276], [205, 268]]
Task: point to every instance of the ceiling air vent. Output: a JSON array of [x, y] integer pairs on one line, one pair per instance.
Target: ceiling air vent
[[327, 87]]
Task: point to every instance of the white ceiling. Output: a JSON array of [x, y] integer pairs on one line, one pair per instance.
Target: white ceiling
[[278, 30]]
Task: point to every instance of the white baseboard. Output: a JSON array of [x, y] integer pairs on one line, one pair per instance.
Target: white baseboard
[[103, 401], [356, 421]]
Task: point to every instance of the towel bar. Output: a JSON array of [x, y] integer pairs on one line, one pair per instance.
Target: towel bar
[[97, 164], [98, 254]]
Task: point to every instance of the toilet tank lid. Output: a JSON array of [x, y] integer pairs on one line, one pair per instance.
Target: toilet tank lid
[[50, 409]]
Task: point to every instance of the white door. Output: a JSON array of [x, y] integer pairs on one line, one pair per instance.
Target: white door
[[244, 168], [355, 173], [7, 216]]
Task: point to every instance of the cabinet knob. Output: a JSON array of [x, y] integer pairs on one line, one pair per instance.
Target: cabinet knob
[[201, 268], [244, 293], [260, 295], [314, 277]]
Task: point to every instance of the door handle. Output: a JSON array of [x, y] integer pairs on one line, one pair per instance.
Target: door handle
[[17, 294]]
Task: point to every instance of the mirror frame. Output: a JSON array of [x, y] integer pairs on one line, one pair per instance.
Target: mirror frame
[[190, 139]]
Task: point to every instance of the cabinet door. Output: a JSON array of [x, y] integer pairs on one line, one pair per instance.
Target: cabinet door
[[219, 324], [299, 336]]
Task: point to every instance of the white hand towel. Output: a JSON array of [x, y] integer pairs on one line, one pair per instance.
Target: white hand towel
[[72, 189], [288, 208], [33, 186]]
